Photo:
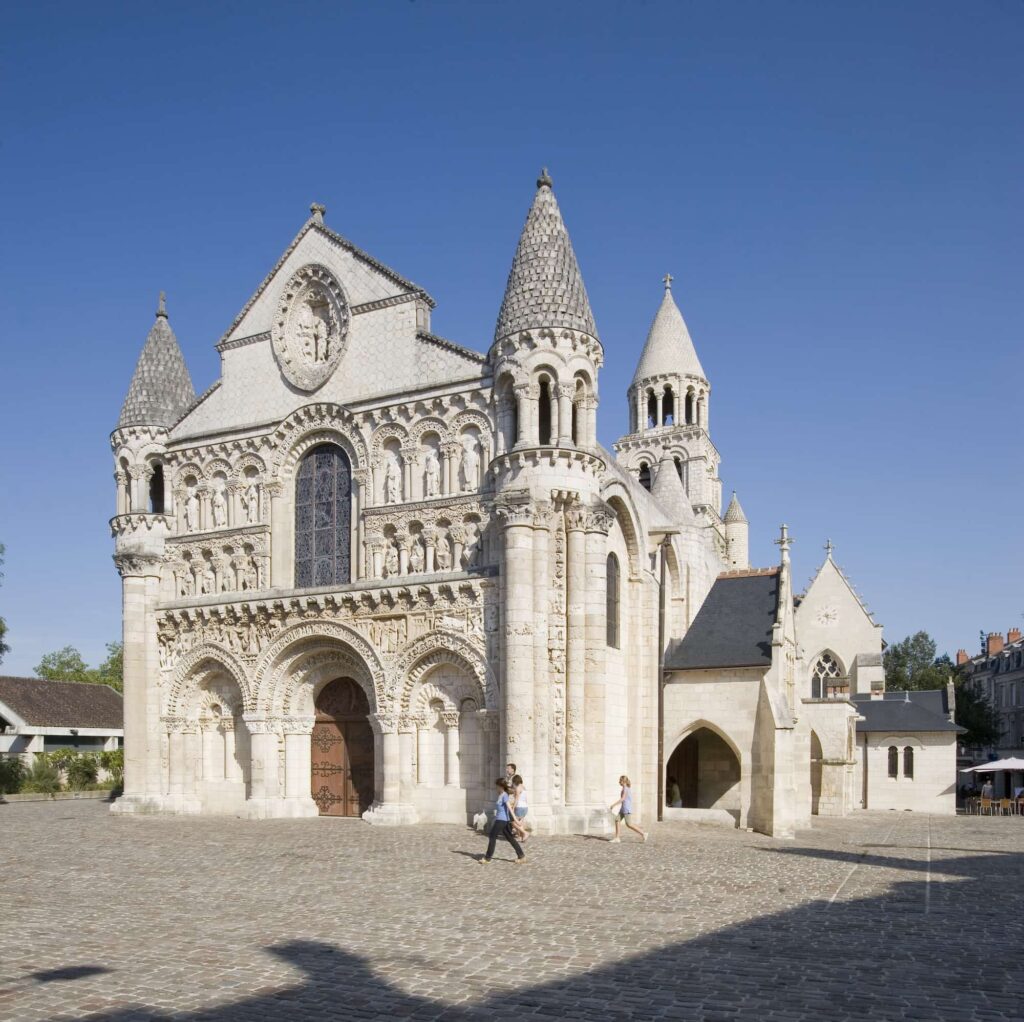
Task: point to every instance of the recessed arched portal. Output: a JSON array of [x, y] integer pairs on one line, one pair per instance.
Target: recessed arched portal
[[816, 756], [342, 750], [707, 771]]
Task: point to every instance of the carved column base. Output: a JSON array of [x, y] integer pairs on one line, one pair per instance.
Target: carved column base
[[393, 814]]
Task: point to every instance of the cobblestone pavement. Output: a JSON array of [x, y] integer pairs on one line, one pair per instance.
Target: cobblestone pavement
[[881, 916]]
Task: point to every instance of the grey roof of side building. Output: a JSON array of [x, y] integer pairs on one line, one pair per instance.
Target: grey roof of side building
[[44, 703], [733, 628], [905, 711], [545, 288], [161, 388]]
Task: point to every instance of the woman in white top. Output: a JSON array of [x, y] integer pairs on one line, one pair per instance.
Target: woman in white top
[[520, 807]]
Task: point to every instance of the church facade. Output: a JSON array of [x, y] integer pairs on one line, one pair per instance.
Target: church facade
[[368, 567]]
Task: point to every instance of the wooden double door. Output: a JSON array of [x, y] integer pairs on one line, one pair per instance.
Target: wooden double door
[[342, 750]]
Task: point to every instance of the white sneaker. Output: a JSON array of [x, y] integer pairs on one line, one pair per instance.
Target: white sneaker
[[614, 841]]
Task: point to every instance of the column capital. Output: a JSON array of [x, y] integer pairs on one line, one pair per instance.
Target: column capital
[[274, 488], [133, 565], [172, 723], [488, 720], [298, 725], [515, 509], [451, 718], [261, 724], [600, 518], [384, 723]]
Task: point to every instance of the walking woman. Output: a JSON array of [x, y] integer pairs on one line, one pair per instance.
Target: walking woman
[[625, 804], [502, 825], [519, 807]]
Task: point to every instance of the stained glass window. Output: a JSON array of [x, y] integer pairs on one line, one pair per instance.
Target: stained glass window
[[323, 518]]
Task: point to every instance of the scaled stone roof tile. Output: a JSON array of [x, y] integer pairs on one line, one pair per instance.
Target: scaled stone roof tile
[[544, 286], [904, 711], [161, 389]]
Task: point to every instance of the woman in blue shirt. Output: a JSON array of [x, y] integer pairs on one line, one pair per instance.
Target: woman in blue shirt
[[502, 825]]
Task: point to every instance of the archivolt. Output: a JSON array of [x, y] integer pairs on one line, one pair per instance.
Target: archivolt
[[197, 665], [439, 647]]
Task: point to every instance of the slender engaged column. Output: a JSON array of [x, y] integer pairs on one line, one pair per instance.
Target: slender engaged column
[[565, 415], [422, 745], [176, 779], [599, 521], [406, 750], [280, 560], [521, 391], [451, 748], [575, 656], [298, 757], [540, 781], [517, 648]]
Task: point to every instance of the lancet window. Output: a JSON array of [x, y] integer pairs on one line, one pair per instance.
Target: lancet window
[[612, 601], [323, 518]]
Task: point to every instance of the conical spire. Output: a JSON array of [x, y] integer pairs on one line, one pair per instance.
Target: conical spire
[[161, 389], [668, 491], [544, 286], [734, 513], [669, 348]]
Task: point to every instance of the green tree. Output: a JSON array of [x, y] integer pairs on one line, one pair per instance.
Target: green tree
[[976, 713], [65, 665], [4, 647], [912, 664], [111, 671]]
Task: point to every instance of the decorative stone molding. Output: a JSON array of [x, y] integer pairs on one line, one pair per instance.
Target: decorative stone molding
[[130, 565], [196, 666]]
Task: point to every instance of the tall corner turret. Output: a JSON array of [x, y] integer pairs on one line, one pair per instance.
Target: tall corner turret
[[737, 535], [546, 352]]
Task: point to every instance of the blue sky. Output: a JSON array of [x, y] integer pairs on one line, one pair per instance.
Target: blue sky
[[837, 190]]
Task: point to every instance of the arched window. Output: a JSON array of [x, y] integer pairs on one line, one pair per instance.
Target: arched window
[[894, 761], [645, 475], [544, 413], [156, 490], [668, 408], [576, 423], [323, 518], [652, 410], [824, 676], [689, 408], [908, 762], [612, 601]]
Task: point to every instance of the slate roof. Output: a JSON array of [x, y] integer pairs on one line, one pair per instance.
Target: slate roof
[[923, 711], [161, 389], [544, 286], [43, 703], [734, 626], [669, 348]]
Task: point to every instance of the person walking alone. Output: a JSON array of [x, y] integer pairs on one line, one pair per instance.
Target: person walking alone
[[625, 804], [502, 825]]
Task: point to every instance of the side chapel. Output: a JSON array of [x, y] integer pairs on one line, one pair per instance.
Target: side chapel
[[368, 566]]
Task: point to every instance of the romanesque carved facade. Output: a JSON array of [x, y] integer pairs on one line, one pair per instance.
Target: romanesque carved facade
[[369, 566]]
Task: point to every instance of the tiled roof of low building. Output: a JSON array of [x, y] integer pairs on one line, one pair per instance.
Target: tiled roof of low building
[[43, 703], [901, 712], [734, 626]]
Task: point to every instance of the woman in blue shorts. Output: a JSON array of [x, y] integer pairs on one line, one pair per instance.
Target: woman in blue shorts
[[625, 804], [502, 825]]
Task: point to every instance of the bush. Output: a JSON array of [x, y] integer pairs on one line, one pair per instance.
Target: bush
[[61, 759], [113, 762], [12, 775], [42, 779], [82, 772]]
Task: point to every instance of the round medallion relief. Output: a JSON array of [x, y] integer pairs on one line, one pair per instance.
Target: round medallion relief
[[310, 327]]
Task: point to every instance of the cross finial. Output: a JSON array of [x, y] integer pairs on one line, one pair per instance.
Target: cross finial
[[784, 542], [544, 181], [161, 308], [317, 209], [828, 547], [667, 280]]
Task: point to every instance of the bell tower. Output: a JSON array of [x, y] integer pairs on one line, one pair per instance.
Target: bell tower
[[669, 412]]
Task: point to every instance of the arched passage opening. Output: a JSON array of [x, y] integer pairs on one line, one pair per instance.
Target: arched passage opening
[[342, 750], [706, 770], [816, 757]]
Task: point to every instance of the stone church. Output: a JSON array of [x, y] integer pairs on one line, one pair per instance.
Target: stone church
[[369, 566]]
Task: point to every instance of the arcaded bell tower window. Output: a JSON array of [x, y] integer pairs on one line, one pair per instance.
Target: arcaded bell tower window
[[156, 490]]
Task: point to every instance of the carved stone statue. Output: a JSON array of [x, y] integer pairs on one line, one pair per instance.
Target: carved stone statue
[[432, 474], [209, 579], [416, 557], [393, 481], [251, 503], [191, 510], [251, 579], [442, 554], [219, 505], [470, 464], [391, 560]]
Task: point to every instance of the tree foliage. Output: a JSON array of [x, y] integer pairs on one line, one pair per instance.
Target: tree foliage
[[912, 664], [976, 713], [67, 665]]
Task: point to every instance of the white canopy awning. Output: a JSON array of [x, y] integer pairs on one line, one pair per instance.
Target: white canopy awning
[[996, 766]]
